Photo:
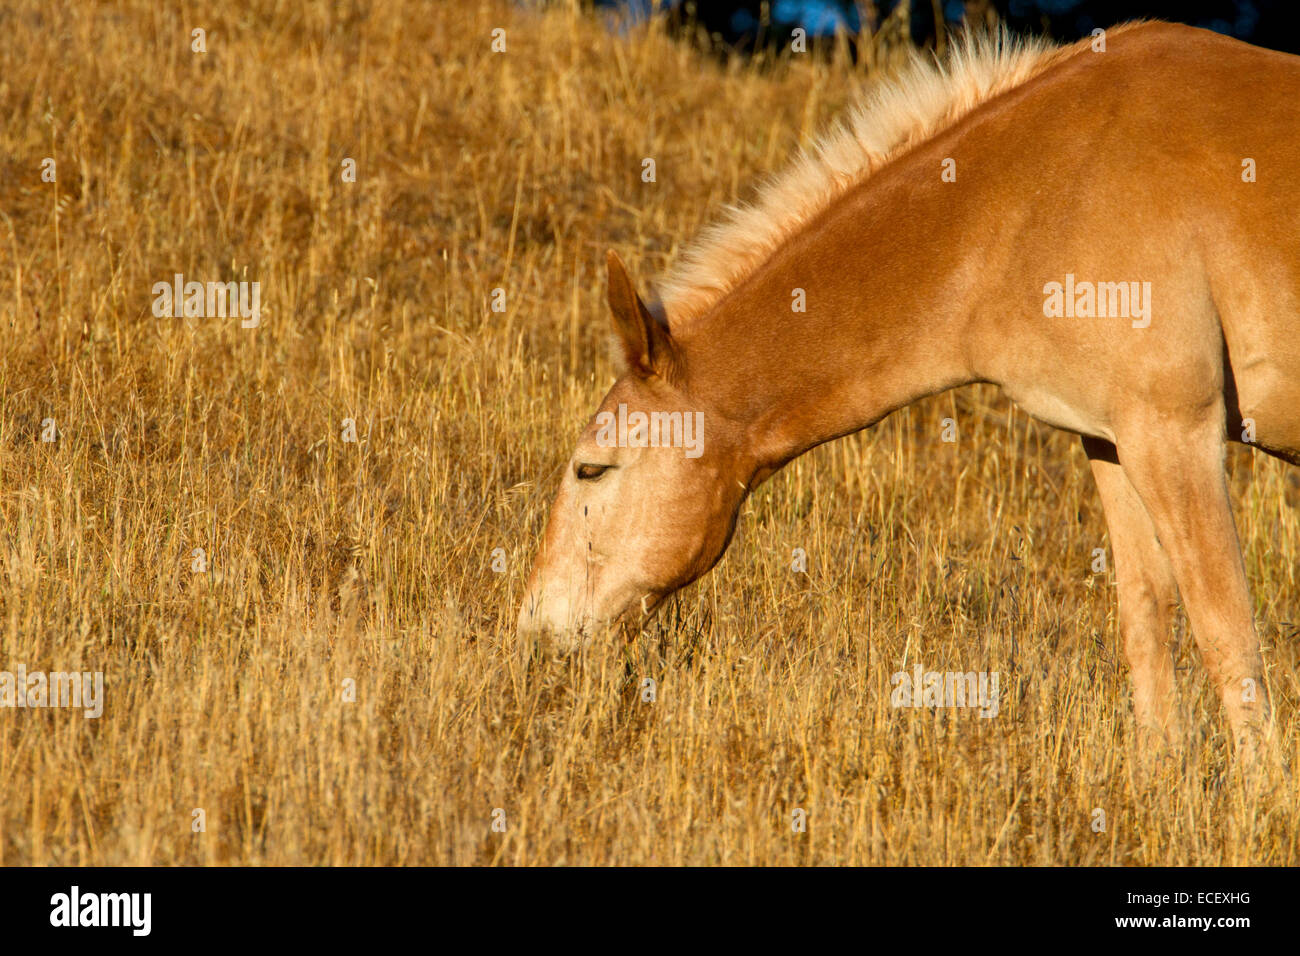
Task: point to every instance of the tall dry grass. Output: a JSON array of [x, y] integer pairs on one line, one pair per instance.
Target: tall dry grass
[[332, 561]]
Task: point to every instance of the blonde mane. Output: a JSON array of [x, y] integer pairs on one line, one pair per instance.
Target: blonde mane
[[926, 98]]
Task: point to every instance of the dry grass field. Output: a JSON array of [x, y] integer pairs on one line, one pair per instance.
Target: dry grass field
[[329, 561]]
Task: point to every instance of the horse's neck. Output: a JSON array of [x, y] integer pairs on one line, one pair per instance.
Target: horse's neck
[[883, 327]]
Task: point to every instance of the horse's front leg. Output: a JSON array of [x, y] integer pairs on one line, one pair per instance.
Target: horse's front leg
[[1176, 468], [1148, 599]]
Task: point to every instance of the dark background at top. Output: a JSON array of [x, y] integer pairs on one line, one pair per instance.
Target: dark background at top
[[736, 24]]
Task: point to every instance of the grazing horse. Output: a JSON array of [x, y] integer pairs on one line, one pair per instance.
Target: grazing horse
[[1108, 231]]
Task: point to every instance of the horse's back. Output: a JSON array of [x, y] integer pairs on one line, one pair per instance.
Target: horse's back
[[1214, 128], [1251, 237]]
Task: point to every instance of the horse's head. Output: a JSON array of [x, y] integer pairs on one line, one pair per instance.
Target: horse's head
[[650, 496]]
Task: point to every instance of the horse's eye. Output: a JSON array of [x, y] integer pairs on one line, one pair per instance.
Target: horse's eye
[[591, 472]]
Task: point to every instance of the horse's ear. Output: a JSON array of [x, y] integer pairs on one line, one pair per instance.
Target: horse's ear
[[643, 335]]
